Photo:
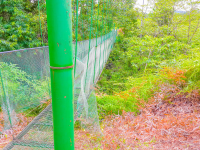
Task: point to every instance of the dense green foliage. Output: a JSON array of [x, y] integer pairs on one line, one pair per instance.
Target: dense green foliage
[[20, 21], [153, 48], [25, 89], [163, 50], [19, 24]]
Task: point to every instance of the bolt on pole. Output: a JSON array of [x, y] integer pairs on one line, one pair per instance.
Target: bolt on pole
[[59, 21]]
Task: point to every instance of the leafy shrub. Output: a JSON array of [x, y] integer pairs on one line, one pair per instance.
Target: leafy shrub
[[19, 25], [108, 105], [22, 90]]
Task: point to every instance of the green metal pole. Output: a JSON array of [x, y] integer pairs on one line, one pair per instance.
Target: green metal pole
[[74, 15], [105, 39], [108, 34], [40, 23], [96, 44], [43, 45], [109, 31], [82, 4], [5, 100], [90, 36], [100, 68], [59, 21], [76, 37]]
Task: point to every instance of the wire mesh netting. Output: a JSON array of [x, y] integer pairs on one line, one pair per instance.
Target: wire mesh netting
[[25, 86], [25, 90]]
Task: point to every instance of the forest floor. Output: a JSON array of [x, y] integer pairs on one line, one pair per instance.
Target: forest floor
[[7, 135], [170, 120]]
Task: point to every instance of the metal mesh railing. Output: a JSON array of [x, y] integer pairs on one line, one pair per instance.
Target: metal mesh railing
[[25, 87]]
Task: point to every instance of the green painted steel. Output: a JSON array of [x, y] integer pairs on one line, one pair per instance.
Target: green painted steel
[[40, 23], [104, 53], [41, 34], [107, 36], [5, 99], [101, 33], [96, 44], [76, 37], [83, 31], [59, 20], [32, 82], [89, 42]]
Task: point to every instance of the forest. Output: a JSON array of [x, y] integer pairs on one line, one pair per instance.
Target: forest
[[148, 94]]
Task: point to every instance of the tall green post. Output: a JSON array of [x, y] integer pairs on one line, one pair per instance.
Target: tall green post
[[59, 21]]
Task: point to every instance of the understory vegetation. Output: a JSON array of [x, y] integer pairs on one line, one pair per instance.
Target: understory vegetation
[[162, 49], [149, 90]]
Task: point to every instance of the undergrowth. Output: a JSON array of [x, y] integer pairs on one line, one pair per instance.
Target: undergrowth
[[133, 74]]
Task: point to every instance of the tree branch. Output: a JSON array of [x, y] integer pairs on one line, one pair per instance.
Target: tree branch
[[195, 31]]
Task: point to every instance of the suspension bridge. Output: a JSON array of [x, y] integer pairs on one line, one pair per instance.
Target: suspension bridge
[[58, 80]]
